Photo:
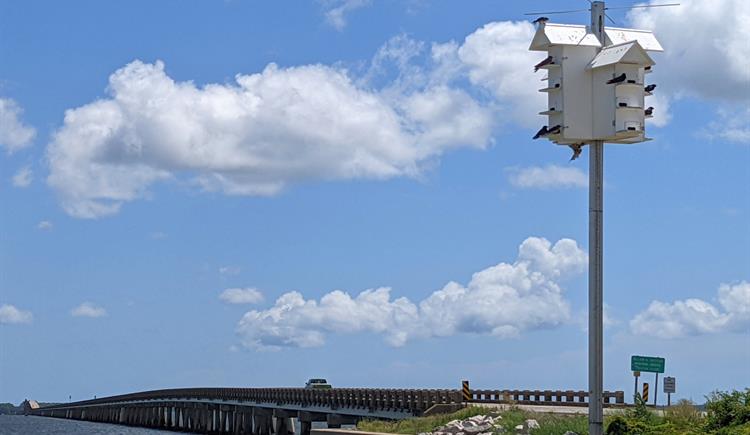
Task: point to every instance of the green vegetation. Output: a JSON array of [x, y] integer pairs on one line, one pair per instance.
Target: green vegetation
[[727, 413], [9, 408], [420, 424]]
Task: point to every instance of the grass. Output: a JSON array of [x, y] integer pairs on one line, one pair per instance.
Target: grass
[[550, 423], [419, 424], [728, 414]]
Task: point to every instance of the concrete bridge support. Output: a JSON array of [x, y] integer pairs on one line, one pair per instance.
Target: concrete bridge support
[[335, 421], [284, 423], [307, 418]]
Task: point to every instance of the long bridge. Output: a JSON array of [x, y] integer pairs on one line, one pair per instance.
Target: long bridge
[[277, 411]]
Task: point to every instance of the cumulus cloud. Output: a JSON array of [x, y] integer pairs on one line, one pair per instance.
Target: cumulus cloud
[[696, 316], [336, 11], [254, 137], [503, 301], [9, 314], [700, 61], [498, 58], [88, 309], [662, 105], [547, 177], [706, 53], [23, 177], [241, 296], [14, 134]]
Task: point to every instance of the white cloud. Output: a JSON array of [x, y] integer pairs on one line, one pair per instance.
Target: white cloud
[[255, 137], [158, 235], [503, 301], [733, 124], [229, 270], [9, 314], [696, 316], [45, 225], [706, 53], [498, 58], [88, 309], [23, 177], [14, 134], [241, 296], [547, 177], [338, 9], [662, 109]]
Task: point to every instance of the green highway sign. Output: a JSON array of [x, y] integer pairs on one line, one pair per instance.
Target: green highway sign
[[646, 364]]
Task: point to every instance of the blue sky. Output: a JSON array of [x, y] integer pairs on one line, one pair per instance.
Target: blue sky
[[255, 193]]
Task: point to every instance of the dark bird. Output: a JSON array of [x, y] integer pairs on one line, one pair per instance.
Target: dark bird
[[540, 20], [542, 132], [649, 111], [577, 149], [546, 61], [618, 79], [554, 130], [649, 88]]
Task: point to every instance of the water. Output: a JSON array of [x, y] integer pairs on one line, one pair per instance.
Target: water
[[30, 425]]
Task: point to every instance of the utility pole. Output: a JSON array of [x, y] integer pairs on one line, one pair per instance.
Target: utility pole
[[596, 258]]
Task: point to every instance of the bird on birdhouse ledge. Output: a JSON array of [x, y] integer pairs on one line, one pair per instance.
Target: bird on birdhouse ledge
[[577, 150], [649, 88], [540, 20], [542, 132], [649, 111], [546, 61], [619, 79]]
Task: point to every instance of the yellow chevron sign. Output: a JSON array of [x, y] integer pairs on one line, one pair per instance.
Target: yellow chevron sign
[[645, 392], [466, 391]]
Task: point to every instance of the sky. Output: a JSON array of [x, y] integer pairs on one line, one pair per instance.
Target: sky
[[242, 193]]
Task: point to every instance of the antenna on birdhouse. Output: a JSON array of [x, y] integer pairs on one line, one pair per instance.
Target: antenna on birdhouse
[[572, 11]]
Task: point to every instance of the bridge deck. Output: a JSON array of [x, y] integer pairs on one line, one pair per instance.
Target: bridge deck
[[255, 410]]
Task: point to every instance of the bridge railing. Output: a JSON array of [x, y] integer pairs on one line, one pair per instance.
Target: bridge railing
[[414, 401]]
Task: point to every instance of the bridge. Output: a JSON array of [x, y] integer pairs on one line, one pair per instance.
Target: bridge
[[274, 411]]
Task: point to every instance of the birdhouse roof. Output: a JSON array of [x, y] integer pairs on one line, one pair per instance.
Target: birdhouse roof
[[575, 34], [645, 38], [627, 52], [562, 34]]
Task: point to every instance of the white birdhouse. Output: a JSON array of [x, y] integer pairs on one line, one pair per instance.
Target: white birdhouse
[[580, 101]]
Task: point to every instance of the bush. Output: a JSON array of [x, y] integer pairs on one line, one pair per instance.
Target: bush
[[684, 415], [618, 426], [727, 409], [640, 412]]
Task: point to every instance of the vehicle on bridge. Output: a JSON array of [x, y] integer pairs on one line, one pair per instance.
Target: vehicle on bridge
[[317, 384]]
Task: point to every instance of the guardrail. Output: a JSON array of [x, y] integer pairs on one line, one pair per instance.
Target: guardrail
[[414, 401]]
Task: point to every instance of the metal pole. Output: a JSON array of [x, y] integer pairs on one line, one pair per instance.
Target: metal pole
[[596, 258], [656, 388], [596, 199], [635, 390]]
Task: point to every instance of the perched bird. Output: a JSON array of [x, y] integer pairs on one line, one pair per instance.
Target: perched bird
[[649, 88], [577, 149], [546, 61], [554, 130], [649, 111], [540, 20], [618, 79], [542, 132]]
